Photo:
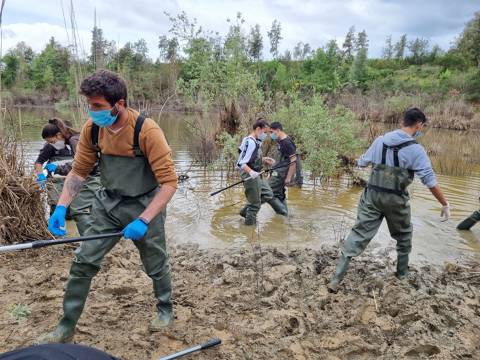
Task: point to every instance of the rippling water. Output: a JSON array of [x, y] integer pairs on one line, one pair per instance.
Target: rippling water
[[318, 215]]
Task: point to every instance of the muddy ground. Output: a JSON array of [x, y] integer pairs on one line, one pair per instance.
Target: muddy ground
[[264, 303]]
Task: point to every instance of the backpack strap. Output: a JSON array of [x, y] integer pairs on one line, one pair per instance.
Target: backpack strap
[[95, 131], [136, 134]]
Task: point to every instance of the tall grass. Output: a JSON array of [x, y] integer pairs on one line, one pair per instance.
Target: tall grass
[[22, 213], [453, 153], [451, 112]]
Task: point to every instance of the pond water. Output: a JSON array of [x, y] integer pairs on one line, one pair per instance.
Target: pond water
[[318, 215]]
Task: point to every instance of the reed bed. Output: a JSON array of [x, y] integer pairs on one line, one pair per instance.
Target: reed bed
[[22, 211]]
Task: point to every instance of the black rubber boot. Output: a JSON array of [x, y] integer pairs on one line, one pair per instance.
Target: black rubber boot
[[278, 206], [76, 293], [470, 221], [162, 289], [402, 267], [243, 212], [340, 272], [250, 220]]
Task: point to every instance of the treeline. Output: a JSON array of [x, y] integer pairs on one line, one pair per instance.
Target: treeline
[[189, 49], [317, 93]]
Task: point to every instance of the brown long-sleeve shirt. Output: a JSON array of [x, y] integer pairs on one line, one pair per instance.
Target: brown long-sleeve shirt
[[152, 143]]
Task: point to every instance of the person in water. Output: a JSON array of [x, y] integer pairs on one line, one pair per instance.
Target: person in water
[[396, 157]]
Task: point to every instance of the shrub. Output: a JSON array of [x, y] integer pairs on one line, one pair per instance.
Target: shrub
[[473, 88], [324, 135]]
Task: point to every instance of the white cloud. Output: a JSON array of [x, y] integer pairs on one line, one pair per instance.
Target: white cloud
[[310, 21]]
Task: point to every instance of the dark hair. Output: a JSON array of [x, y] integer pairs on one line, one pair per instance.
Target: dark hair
[[260, 123], [56, 126], [107, 84], [276, 126], [413, 116]]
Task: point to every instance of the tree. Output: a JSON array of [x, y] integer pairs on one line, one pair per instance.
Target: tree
[[321, 72], [287, 55], [168, 48], [53, 60], [235, 42], [435, 53], [419, 50], [16, 64], [358, 70], [468, 44], [11, 64], [255, 43], [473, 87], [362, 41], [348, 45], [400, 47], [140, 48], [387, 52], [275, 37], [332, 50], [98, 48], [301, 51], [48, 78]]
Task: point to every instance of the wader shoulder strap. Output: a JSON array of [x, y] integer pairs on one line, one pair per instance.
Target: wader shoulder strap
[[242, 152], [395, 149], [384, 154]]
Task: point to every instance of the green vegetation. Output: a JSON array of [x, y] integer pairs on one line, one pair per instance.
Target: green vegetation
[[325, 136], [20, 312], [317, 92]]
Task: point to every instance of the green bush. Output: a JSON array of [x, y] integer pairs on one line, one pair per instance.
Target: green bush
[[229, 145], [473, 87], [322, 134]]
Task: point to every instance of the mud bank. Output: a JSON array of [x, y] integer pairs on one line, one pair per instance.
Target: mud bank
[[264, 303]]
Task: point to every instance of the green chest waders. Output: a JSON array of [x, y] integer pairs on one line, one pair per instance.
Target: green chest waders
[[54, 190], [388, 179], [386, 196], [252, 186], [278, 176], [129, 185]]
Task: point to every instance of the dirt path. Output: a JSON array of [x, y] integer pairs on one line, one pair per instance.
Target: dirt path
[[264, 303]]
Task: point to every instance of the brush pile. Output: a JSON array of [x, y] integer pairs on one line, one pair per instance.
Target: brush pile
[[22, 211]]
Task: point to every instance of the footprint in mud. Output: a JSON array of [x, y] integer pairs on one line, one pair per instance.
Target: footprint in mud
[[425, 349]]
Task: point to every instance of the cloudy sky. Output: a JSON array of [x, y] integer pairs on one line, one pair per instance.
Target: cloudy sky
[[315, 22]]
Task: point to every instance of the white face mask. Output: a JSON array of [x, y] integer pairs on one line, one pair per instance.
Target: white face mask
[[59, 144]]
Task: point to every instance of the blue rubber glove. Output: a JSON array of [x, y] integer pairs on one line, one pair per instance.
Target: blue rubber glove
[[135, 230], [41, 180], [56, 223], [51, 167]]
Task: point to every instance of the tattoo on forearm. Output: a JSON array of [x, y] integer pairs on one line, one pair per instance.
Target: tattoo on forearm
[[73, 185]]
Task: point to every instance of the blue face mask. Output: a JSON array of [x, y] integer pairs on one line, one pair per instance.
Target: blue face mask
[[417, 134], [262, 136], [103, 118], [273, 136]]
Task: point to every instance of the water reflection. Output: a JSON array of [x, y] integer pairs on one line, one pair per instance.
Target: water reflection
[[317, 215]]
